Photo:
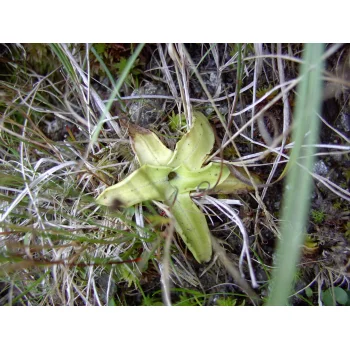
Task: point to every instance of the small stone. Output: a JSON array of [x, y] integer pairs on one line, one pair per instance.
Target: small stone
[[213, 78], [209, 110], [345, 122], [145, 112], [320, 168]]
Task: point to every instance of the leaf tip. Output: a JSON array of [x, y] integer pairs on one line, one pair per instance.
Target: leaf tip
[[105, 200]]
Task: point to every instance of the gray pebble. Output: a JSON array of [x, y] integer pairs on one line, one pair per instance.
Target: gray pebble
[[320, 168]]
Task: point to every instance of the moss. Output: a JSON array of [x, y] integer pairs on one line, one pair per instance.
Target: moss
[[347, 232], [318, 216], [177, 121]]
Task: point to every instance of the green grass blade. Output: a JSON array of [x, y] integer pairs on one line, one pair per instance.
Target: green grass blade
[[116, 89], [299, 183], [58, 50], [103, 65]]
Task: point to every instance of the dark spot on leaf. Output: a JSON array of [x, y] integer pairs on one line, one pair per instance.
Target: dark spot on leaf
[[172, 175], [116, 204]]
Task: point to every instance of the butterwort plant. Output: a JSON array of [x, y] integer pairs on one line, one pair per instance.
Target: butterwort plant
[[172, 176]]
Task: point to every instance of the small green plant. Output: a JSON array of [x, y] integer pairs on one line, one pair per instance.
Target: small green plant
[[171, 176], [177, 121], [337, 205], [230, 152], [132, 79], [347, 232], [318, 216], [310, 246], [347, 176], [189, 297], [151, 301], [261, 92], [100, 48], [309, 292], [229, 301], [334, 295]]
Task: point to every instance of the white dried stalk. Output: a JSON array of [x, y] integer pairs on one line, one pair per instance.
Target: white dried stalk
[[257, 71], [286, 118], [231, 214], [164, 267]]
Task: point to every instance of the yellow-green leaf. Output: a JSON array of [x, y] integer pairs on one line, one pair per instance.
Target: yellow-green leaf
[[205, 178], [232, 184], [147, 183], [192, 226], [193, 148], [147, 147]]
